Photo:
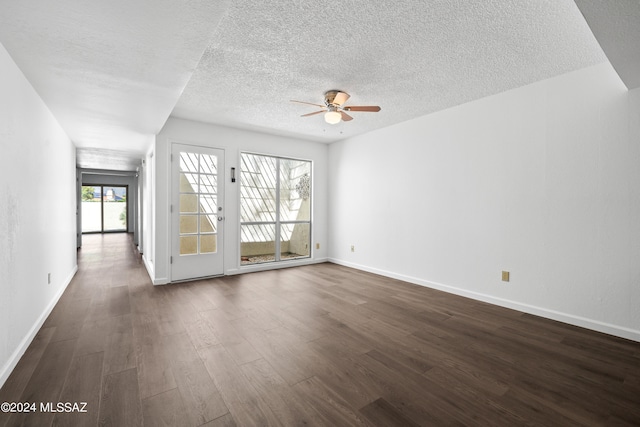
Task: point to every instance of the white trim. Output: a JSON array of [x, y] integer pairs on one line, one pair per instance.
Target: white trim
[[275, 265], [596, 325], [151, 272], [149, 266], [252, 269], [26, 341]]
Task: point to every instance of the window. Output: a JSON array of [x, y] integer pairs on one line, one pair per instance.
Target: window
[[275, 209], [104, 208]]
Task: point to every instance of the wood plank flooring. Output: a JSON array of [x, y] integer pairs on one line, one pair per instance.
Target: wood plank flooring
[[320, 345]]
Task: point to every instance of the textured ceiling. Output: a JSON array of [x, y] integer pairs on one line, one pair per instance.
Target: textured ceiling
[[113, 71], [409, 57]]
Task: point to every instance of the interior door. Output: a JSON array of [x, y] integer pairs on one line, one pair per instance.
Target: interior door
[[197, 215]]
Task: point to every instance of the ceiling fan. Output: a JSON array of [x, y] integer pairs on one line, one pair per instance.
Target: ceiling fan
[[334, 109]]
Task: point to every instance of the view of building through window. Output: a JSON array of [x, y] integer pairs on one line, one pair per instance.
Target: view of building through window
[[275, 203]]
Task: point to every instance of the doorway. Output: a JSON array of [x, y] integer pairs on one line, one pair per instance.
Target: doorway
[[197, 218], [104, 208]]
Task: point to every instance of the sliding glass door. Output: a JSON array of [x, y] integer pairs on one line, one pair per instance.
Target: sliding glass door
[[275, 204], [104, 208]]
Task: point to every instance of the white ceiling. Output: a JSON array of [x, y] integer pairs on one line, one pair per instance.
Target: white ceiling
[[107, 159], [110, 71], [113, 71]]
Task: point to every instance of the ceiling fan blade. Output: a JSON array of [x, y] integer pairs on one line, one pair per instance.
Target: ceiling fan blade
[[369, 108], [345, 116], [341, 98], [308, 103], [313, 114]]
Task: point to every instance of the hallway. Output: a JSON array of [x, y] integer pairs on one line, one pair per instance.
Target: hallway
[[85, 349]]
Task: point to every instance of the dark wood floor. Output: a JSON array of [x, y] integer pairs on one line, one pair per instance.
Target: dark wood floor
[[317, 345]]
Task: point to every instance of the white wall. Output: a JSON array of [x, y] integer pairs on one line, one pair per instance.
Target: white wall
[[542, 181], [37, 171], [233, 142]]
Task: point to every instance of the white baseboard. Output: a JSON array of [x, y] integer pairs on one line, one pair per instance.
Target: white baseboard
[[149, 266], [26, 341], [260, 267], [595, 325], [150, 271]]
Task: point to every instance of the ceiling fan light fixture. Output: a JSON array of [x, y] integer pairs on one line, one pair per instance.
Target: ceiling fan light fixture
[[332, 117]]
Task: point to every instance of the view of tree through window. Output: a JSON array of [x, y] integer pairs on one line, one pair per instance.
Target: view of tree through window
[[275, 203]]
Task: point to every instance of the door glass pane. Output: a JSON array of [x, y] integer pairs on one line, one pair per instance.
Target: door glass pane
[[91, 209], [188, 162], [295, 190], [208, 243], [257, 243], [258, 188], [189, 203], [295, 241], [208, 164], [208, 184], [208, 204], [188, 224], [208, 223], [188, 245], [188, 183]]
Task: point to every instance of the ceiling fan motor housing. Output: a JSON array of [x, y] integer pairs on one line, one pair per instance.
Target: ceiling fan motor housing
[[330, 96]]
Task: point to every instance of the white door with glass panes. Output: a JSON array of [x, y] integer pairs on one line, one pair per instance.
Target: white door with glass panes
[[197, 214]]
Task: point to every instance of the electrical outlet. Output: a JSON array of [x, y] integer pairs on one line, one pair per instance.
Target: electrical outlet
[[505, 276], [353, 248], [317, 245], [48, 278]]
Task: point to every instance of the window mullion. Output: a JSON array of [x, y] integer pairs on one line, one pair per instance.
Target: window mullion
[[102, 208], [277, 254]]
